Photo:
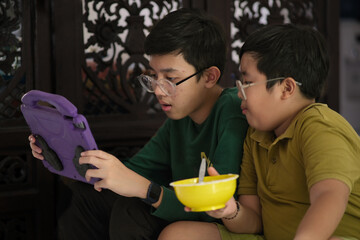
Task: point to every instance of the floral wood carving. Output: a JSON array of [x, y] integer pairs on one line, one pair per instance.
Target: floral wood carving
[[12, 83], [13, 170], [114, 34], [13, 226], [252, 14]]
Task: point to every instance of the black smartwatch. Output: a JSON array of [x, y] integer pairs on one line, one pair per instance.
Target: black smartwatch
[[153, 193]]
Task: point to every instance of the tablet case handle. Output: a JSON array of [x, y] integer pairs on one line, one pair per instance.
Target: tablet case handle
[[64, 106]]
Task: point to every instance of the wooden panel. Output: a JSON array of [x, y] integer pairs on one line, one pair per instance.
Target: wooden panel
[[27, 200]]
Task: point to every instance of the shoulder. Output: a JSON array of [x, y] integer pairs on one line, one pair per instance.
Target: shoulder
[[230, 95], [319, 117], [228, 108], [319, 127], [229, 101]]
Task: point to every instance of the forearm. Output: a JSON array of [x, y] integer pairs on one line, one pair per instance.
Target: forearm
[[246, 221], [319, 221], [248, 218], [324, 214]]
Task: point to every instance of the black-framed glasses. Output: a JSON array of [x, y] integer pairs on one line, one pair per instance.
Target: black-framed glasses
[[168, 87], [242, 86]]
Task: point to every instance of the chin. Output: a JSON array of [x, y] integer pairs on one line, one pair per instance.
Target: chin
[[174, 116], [261, 127], [256, 125]]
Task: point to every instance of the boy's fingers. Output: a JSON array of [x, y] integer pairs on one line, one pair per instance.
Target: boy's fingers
[[187, 209], [98, 186], [212, 171], [35, 148], [96, 153], [37, 155]]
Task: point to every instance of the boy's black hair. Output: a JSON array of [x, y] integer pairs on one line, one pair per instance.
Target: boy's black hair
[[192, 33], [290, 51]]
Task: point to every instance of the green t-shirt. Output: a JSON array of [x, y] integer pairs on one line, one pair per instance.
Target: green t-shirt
[[319, 144], [174, 152]]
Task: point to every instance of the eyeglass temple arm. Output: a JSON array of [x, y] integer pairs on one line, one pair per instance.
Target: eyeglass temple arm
[[189, 77]]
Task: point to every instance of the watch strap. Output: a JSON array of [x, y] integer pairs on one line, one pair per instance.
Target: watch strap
[[153, 193]]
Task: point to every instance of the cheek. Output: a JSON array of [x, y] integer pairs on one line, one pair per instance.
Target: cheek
[[181, 102], [187, 93], [260, 113], [260, 121]]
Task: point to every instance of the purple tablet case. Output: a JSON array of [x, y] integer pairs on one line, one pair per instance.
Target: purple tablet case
[[60, 132]]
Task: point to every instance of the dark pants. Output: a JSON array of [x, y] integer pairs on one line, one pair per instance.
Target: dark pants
[[107, 215]]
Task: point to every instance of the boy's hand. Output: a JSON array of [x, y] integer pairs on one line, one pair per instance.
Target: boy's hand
[[230, 206], [212, 171], [36, 151], [113, 174], [228, 211]]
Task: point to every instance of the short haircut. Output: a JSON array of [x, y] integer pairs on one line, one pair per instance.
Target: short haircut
[[290, 51], [190, 32]]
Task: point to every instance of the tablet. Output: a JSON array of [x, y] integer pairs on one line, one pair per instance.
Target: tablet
[[60, 132]]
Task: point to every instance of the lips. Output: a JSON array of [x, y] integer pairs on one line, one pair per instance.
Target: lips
[[243, 109], [165, 106]]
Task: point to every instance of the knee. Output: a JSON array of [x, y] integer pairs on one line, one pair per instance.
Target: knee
[[173, 231]]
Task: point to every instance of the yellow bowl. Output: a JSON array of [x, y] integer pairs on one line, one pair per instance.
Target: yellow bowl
[[211, 194]]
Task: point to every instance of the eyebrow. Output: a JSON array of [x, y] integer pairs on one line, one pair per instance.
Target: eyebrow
[[166, 70]]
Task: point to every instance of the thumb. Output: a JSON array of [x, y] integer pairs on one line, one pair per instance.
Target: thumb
[[212, 171]]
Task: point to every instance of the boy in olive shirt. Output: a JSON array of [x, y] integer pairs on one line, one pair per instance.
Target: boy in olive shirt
[[187, 55], [300, 173]]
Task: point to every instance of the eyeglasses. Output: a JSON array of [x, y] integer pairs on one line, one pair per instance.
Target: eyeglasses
[[165, 85], [242, 87]]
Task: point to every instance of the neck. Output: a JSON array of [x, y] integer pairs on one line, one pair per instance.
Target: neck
[[292, 113], [208, 103]]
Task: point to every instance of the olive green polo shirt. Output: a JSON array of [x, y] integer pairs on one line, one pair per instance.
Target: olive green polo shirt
[[319, 144]]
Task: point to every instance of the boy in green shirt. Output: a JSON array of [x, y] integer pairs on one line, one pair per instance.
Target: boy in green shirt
[[187, 55], [300, 173]]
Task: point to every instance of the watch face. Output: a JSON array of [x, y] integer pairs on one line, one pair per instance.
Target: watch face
[[154, 192]]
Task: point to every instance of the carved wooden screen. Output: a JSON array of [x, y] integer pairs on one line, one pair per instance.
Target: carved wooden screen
[[26, 188], [250, 15], [12, 71], [114, 34]]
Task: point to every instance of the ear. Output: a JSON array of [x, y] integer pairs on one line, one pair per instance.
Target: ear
[[288, 88], [212, 75]]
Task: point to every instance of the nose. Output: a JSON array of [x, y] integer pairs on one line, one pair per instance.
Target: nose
[[240, 95], [158, 91]]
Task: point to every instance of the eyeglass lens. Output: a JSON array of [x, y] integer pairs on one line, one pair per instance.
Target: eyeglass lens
[[150, 84], [166, 86]]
